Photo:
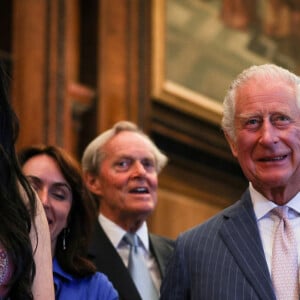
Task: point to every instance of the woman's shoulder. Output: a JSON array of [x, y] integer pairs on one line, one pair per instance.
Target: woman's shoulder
[[95, 286], [99, 282]]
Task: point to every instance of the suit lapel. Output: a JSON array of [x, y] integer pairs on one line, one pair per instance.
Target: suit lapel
[[240, 234], [162, 249]]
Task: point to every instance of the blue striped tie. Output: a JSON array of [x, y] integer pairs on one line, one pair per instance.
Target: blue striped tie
[[138, 269]]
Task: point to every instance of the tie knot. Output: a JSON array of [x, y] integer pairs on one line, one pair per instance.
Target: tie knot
[[131, 239], [281, 212]]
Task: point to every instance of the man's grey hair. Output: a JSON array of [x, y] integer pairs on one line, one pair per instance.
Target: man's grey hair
[[94, 153], [270, 72]]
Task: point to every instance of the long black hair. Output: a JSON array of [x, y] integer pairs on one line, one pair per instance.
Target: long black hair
[[17, 202]]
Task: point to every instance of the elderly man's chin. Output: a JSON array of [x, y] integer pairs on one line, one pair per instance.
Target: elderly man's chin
[[145, 208], [274, 180]]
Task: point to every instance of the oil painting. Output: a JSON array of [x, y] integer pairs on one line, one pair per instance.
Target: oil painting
[[199, 46]]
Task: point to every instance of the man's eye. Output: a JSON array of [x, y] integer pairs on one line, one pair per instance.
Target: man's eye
[[252, 122], [280, 120], [122, 164], [148, 164]]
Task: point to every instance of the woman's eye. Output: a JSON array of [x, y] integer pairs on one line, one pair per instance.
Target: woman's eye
[[60, 194], [34, 183], [35, 187]]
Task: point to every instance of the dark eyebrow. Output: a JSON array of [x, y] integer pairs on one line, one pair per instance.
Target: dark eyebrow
[[56, 184], [62, 184]]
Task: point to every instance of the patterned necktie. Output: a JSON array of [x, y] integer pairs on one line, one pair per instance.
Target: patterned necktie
[[138, 269], [285, 258]]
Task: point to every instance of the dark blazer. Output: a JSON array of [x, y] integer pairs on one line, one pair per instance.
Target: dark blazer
[[108, 261], [221, 259]]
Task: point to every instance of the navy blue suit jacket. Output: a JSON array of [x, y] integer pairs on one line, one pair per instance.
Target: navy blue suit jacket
[[108, 261], [220, 259]]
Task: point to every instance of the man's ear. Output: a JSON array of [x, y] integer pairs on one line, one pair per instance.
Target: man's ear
[[232, 144], [93, 183]]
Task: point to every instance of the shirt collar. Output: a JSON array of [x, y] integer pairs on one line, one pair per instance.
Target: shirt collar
[[60, 272], [262, 205], [115, 233]]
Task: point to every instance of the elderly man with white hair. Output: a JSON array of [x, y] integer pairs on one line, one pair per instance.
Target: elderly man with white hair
[[121, 168]]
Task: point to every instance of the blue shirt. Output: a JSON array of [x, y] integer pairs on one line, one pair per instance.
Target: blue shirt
[[68, 287]]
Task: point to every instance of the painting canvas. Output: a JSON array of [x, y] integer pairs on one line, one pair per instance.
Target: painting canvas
[[206, 43]]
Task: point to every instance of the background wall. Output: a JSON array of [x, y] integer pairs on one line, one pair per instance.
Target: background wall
[[79, 66]]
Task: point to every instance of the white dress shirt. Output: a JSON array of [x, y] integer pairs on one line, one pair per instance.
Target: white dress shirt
[[267, 222], [115, 234]]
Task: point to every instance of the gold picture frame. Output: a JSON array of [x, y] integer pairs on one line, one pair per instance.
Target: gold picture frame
[[232, 47], [167, 91]]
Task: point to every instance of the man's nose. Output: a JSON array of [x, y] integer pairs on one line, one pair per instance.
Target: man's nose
[[269, 133], [139, 168]]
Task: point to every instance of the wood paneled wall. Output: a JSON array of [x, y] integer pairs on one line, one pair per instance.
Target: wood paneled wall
[[45, 64], [81, 65], [123, 45]]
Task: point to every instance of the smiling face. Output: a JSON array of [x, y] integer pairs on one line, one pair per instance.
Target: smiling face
[[53, 190], [127, 180], [267, 122]]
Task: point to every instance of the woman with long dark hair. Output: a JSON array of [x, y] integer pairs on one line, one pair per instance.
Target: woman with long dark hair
[[56, 177], [24, 234]]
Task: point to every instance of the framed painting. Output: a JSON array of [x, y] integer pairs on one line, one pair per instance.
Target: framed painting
[[199, 46]]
